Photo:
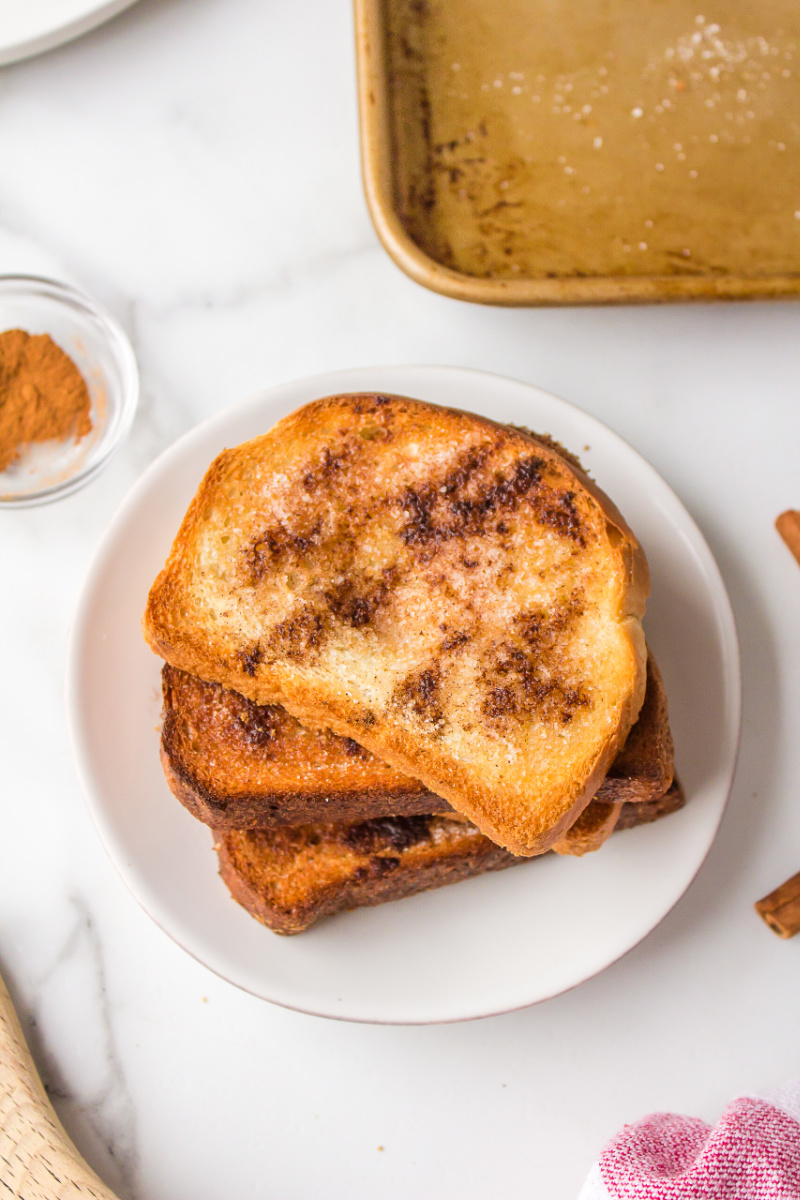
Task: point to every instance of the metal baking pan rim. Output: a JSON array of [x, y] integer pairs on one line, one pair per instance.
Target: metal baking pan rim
[[376, 161]]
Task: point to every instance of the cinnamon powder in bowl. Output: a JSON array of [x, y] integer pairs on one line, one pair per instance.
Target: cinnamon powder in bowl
[[43, 395], [68, 390]]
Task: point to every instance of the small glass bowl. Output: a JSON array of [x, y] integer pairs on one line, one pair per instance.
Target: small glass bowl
[[102, 353]]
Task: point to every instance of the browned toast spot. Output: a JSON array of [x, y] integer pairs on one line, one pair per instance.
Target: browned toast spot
[[299, 636], [527, 674], [276, 545], [355, 600], [419, 693], [396, 833]]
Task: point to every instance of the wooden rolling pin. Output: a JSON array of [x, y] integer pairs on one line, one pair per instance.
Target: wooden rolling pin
[[37, 1159]]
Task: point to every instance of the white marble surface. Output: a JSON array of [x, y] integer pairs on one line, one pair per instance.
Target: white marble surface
[[194, 164]]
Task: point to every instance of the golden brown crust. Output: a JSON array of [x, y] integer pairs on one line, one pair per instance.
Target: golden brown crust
[[652, 810], [236, 765], [642, 774], [593, 827], [600, 819], [288, 878], [645, 765], [447, 592]]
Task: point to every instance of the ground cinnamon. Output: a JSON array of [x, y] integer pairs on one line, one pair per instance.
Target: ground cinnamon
[[43, 395]]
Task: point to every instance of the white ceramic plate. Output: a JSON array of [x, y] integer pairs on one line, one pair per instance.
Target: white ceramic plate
[[487, 945], [29, 27]]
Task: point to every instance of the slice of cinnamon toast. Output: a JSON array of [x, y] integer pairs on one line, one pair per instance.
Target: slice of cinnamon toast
[[289, 877], [238, 765], [455, 595]]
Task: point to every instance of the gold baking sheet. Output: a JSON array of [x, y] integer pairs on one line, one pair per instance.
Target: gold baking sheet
[[552, 152]]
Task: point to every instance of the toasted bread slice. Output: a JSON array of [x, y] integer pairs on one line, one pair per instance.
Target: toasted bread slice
[[238, 765], [602, 818], [591, 830], [290, 877], [644, 767], [450, 593]]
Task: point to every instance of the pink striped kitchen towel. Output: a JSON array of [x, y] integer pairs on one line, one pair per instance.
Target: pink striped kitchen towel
[[752, 1153]]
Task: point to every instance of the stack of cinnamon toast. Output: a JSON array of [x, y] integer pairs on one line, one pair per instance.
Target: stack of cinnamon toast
[[403, 647]]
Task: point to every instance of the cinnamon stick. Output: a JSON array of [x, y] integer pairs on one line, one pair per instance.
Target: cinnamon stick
[[781, 908], [788, 526]]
